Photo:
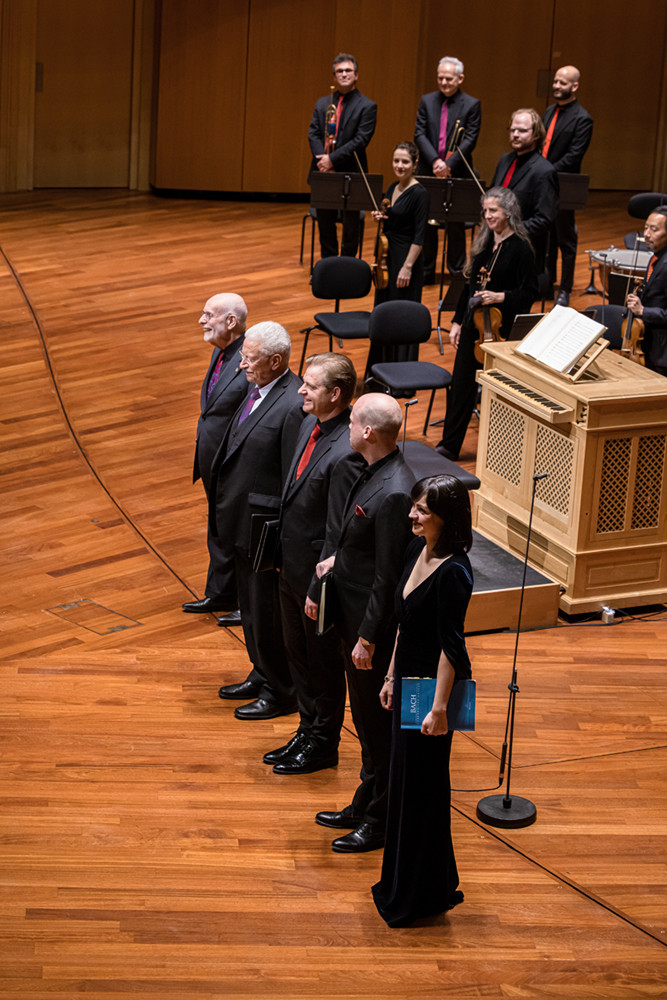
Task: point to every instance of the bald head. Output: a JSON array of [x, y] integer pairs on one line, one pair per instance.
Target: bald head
[[223, 319], [374, 425], [566, 84]]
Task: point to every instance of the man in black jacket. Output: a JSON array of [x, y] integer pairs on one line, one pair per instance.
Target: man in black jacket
[[569, 130], [439, 113], [652, 305], [532, 178], [323, 470], [351, 132], [223, 320], [248, 474], [367, 564]]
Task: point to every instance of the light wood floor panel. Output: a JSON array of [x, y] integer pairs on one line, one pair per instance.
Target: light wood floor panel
[[145, 848]]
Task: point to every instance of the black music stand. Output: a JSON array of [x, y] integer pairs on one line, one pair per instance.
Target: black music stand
[[344, 191]]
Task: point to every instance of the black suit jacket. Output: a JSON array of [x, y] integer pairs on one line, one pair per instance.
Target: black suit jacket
[[217, 410], [654, 300], [535, 183], [355, 130], [308, 502], [370, 553], [427, 130], [251, 464], [571, 138]]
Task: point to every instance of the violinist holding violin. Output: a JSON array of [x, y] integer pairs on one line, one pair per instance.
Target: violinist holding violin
[[502, 279], [651, 304], [404, 226]]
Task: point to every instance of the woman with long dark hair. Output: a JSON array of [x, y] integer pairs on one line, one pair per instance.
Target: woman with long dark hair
[[419, 875], [502, 247]]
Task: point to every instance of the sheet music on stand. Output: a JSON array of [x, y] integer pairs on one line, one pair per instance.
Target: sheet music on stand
[[561, 339]]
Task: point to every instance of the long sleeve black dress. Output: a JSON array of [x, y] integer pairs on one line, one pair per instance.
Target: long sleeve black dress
[[419, 875]]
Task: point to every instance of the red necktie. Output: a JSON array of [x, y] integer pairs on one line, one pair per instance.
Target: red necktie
[[510, 173], [651, 264], [547, 141], [442, 139], [249, 403], [308, 451], [215, 375]]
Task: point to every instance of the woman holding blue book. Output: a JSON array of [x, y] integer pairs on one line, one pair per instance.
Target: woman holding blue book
[[419, 875]]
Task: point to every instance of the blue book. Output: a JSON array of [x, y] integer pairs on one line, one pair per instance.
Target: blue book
[[417, 701]]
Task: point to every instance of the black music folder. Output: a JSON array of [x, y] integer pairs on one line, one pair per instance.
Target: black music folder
[[325, 609]]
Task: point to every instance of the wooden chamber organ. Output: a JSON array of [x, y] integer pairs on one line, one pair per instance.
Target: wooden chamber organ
[[600, 519]]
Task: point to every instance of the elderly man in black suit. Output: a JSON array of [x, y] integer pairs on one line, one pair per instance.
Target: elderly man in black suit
[[351, 132], [651, 303], [248, 474], [439, 113], [569, 130], [532, 178], [223, 320], [367, 565], [323, 470]]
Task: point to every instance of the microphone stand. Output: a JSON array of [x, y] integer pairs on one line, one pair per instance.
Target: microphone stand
[[512, 812]]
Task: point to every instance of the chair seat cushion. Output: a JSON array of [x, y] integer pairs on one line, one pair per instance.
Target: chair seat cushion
[[345, 325], [412, 375]]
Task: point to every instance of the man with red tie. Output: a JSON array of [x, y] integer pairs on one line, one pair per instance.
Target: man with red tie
[[351, 131], [651, 303], [569, 130], [532, 178], [322, 473]]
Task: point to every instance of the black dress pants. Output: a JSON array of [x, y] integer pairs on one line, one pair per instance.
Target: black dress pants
[[221, 577], [456, 249], [318, 670], [462, 393], [326, 222], [563, 238]]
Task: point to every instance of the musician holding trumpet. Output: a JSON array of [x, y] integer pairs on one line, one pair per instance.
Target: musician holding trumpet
[[342, 125], [651, 304]]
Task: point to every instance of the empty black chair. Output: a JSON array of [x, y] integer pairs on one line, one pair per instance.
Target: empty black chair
[[339, 278], [400, 324], [612, 317]]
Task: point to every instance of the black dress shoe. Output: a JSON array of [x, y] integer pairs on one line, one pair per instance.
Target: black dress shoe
[[364, 838], [307, 758], [206, 605], [282, 753], [343, 820], [240, 692], [445, 452], [263, 709], [232, 618], [563, 298]]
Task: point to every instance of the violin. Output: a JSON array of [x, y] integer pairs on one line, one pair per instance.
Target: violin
[[632, 332], [487, 320], [379, 267]]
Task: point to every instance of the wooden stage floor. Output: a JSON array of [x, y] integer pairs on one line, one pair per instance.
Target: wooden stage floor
[[146, 849]]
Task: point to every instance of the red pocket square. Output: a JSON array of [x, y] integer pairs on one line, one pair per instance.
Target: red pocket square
[[360, 512]]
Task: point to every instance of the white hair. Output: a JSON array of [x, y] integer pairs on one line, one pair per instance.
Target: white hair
[[452, 61], [272, 339]]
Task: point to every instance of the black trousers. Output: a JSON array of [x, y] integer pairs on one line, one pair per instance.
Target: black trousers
[[462, 393], [260, 616], [456, 249], [563, 238], [326, 222], [221, 576], [318, 670], [373, 725]]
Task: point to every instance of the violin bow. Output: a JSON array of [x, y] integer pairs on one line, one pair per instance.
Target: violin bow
[[368, 187]]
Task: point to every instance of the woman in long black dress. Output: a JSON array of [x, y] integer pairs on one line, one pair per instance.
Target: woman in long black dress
[[502, 247], [419, 875]]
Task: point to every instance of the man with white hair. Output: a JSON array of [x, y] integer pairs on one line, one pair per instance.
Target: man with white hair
[[438, 115], [225, 386], [367, 565], [247, 481]]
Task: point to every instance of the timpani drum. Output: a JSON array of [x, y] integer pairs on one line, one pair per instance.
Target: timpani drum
[[632, 263]]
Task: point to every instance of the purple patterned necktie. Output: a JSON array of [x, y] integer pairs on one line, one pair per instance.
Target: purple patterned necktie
[[215, 375], [249, 403], [442, 140]]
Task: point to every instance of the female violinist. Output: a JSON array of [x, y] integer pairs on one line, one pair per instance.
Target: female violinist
[[502, 263]]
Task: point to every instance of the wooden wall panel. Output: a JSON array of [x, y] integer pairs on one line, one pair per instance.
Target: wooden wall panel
[[502, 48], [202, 93], [82, 116], [290, 54], [18, 20], [620, 51]]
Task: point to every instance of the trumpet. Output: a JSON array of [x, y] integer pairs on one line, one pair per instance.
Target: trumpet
[[330, 125]]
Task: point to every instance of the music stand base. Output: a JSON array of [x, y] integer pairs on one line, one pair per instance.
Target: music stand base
[[521, 812]]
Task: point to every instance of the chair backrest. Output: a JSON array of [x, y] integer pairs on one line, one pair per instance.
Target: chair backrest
[[641, 205], [400, 322], [612, 317], [341, 278]]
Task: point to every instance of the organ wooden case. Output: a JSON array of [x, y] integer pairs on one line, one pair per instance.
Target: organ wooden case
[[599, 520]]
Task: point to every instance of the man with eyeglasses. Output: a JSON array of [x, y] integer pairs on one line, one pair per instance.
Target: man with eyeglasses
[[532, 178], [333, 149]]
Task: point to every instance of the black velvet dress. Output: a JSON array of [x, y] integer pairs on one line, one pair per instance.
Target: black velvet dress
[[419, 875]]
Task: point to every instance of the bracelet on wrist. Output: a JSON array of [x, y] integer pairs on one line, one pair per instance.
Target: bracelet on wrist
[[389, 679]]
